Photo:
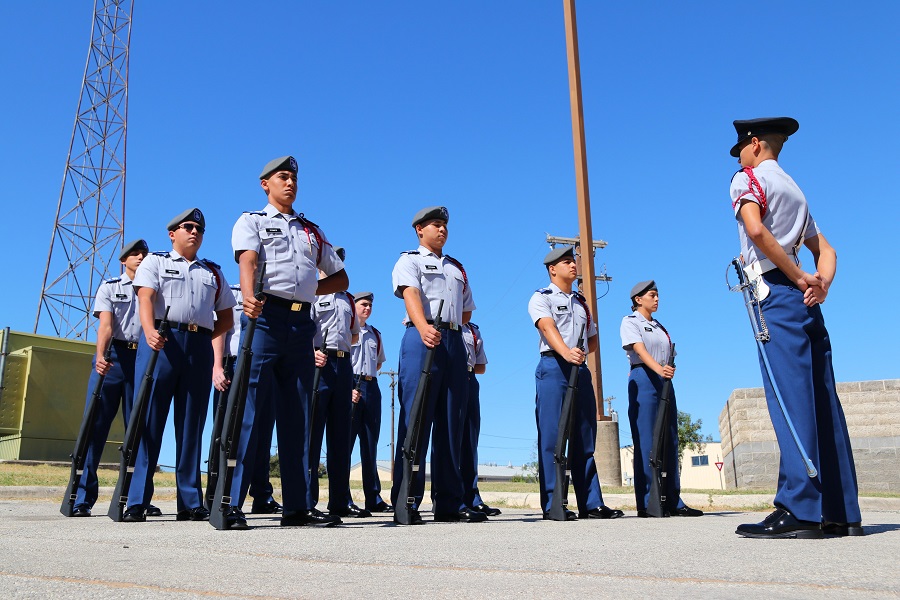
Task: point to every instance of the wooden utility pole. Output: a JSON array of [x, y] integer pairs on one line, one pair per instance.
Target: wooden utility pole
[[585, 235]]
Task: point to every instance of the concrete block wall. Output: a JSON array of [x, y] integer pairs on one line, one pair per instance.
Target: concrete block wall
[[872, 410]]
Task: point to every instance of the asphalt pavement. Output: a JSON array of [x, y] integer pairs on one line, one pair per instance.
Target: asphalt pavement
[[45, 555]]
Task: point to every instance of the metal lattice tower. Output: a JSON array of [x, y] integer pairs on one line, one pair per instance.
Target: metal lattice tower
[[90, 217]]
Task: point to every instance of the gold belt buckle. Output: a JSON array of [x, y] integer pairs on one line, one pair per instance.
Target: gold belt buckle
[[471, 369], [453, 326], [296, 306], [132, 345], [340, 354], [192, 327]]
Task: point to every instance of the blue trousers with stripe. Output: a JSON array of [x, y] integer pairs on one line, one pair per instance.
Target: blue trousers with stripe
[[366, 426], [552, 379], [469, 460], [332, 422], [183, 379], [448, 392], [799, 352], [117, 390]]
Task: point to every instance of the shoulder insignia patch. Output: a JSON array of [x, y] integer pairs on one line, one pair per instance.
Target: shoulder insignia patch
[[543, 291], [165, 254], [116, 280], [210, 263], [410, 252], [259, 213]]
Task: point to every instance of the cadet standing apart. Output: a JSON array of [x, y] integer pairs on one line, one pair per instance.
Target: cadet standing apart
[[193, 289], [115, 305], [336, 314], [773, 223], [648, 345], [477, 364], [281, 372], [422, 278], [367, 356], [558, 312]]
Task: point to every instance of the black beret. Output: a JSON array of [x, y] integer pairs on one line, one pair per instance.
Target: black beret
[[642, 288], [363, 296], [282, 163], [557, 254], [432, 212], [131, 247], [191, 214], [751, 128]]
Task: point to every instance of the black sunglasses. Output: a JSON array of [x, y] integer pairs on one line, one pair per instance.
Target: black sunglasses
[[189, 227]]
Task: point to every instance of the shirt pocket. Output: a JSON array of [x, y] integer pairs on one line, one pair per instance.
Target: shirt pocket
[[275, 243], [173, 283]]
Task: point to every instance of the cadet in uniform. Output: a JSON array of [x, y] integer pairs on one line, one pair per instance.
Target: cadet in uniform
[[367, 355], [281, 372], [647, 345], [192, 289], [558, 312], [115, 305], [477, 364], [422, 278], [335, 314], [773, 222], [226, 349]]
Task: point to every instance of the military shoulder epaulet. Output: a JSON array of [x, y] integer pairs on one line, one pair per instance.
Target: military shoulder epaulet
[[579, 296], [164, 253], [349, 295], [461, 269], [210, 263], [543, 291], [736, 173], [410, 252], [631, 316], [375, 329], [474, 325], [259, 213], [116, 280], [235, 286]]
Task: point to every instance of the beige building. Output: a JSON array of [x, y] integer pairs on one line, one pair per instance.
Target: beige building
[[699, 470], [872, 410]]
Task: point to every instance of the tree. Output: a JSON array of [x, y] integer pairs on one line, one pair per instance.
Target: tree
[[689, 435]]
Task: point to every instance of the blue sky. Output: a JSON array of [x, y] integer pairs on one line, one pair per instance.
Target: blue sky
[[392, 106]]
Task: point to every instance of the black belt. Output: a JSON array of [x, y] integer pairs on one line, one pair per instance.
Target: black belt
[[128, 345], [366, 377], [193, 328], [292, 305], [549, 353], [338, 353], [638, 365], [443, 325]]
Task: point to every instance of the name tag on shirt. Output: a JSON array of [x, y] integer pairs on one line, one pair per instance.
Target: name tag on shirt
[[562, 308], [431, 267], [324, 304], [274, 231], [650, 329]]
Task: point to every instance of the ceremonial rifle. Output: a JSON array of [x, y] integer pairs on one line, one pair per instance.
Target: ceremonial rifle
[[353, 409], [79, 454], [405, 508], [761, 334], [313, 404], [226, 439], [559, 503], [212, 459], [135, 431], [659, 455]]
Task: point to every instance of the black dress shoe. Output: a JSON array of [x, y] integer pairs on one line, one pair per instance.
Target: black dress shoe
[[644, 514], [782, 524], [414, 518], [311, 517], [82, 511], [570, 516], [134, 514], [194, 514], [466, 515], [686, 511], [839, 529], [488, 510], [382, 507], [601, 512], [152, 511], [234, 519], [352, 511], [265, 507]]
